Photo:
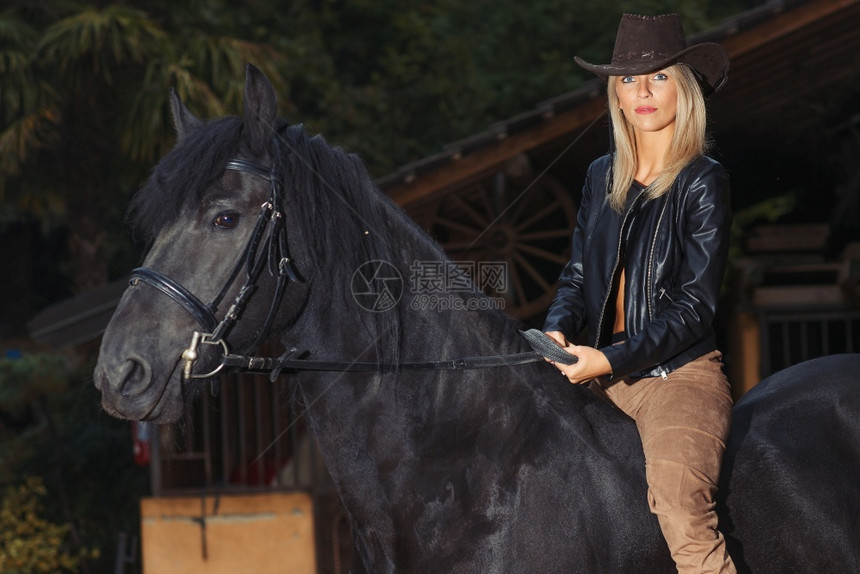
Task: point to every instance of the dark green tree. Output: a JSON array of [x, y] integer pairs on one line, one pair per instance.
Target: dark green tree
[[84, 110]]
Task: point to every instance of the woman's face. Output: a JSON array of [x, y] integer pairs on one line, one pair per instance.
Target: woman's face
[[649, 102]]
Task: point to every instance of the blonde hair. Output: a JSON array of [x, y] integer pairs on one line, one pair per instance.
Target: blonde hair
[[689, 141]]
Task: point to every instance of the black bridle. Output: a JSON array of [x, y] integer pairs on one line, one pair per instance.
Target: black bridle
[[268, 249]]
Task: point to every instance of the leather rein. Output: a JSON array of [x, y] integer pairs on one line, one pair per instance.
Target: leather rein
[[268, 249]]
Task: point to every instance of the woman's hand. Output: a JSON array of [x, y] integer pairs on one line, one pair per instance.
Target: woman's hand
[[558, 337], [591, 364]]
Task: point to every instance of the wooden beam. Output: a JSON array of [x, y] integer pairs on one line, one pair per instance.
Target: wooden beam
[[786, 23], [489, 158]]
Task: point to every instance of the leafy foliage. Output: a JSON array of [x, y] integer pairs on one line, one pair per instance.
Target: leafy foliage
[[51, 427], [24, 383], [29, 543]]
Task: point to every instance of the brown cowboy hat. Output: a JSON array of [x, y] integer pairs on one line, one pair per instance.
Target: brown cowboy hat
[[648, 43]]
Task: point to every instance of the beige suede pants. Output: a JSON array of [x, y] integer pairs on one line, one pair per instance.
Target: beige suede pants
[[683, 422]]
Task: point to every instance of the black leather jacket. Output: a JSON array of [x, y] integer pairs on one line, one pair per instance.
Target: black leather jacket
[[674, 250]]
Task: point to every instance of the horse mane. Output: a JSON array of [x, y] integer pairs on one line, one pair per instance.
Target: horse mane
[[346, 219]]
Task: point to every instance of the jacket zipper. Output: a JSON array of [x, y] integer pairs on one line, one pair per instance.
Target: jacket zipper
[[648, 283], [649, 289], [614, 269]]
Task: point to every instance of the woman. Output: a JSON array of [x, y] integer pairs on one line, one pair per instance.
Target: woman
[[648, 255]]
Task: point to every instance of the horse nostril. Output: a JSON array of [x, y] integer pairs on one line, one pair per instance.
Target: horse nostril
[[135, 377]]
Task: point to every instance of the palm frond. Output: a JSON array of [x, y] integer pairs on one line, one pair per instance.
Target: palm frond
[[21, 139], [207, 73], [100, 38]]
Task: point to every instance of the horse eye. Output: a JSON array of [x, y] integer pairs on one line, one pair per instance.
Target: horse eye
[[226, 220]]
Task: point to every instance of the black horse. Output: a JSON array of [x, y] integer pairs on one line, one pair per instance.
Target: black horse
[[442, 468]]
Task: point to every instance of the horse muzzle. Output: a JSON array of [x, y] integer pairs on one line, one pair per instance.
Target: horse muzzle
[[130, 392]]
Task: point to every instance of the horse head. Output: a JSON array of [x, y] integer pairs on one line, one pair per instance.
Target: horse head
[[214, 252], [256, 230]]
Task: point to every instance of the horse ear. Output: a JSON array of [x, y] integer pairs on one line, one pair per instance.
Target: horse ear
[[183, 120], [261, 108]]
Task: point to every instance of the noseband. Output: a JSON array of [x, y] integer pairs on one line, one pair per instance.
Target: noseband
[[267, 248]]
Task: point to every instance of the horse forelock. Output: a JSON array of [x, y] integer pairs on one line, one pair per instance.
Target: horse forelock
[[184, 175]]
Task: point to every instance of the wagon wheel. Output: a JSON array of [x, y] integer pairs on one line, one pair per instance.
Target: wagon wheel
[[527, 229]]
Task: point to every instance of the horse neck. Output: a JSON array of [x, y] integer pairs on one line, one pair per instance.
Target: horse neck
[[449, 333], [378, 414], [333, 327]]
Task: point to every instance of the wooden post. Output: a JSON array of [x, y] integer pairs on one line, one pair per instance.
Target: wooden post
[[745, 371]]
